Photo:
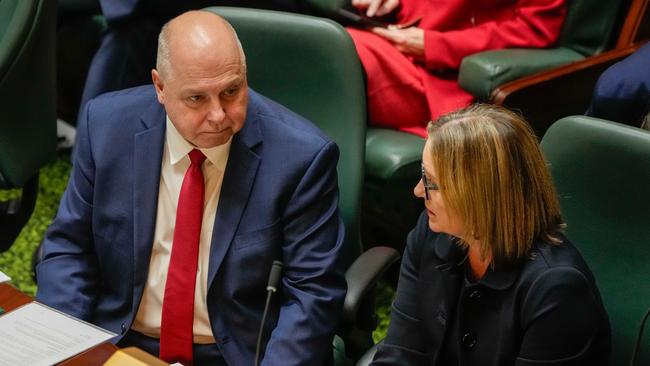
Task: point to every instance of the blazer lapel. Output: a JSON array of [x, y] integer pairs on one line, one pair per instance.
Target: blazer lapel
[[238, 180], [148, 149]]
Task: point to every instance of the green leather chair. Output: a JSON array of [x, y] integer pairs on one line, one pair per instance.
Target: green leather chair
[[27, 105], [602, 173], [587, 31], [393, 158], [309, 65]]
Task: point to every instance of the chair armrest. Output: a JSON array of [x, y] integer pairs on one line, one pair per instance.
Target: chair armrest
[[481, 73], [549, 95], [363, 275], [391, 154]]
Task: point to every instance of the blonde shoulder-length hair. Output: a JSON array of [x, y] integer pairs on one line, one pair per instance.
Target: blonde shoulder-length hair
[[492, 174]]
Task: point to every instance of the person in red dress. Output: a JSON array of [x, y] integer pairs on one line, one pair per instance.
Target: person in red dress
[[412, 70]]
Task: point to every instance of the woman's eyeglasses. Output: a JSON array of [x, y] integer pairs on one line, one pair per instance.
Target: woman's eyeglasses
[[428, 186]]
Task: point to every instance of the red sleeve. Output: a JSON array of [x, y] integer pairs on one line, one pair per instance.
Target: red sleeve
[[537, 24]]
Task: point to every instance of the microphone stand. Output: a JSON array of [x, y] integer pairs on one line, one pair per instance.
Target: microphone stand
[[637, 344], [274, 279]]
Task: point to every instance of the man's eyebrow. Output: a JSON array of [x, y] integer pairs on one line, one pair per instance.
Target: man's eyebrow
[[228, 83], [192, 91], [237, 80]]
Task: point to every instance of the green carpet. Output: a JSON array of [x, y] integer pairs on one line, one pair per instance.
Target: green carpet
[[16, 262]]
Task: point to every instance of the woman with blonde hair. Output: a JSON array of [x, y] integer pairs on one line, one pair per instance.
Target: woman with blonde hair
[[487, 277]]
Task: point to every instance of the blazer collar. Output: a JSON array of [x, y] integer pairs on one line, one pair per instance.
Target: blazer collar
[[501, 277], [153, 115], [453, 258]]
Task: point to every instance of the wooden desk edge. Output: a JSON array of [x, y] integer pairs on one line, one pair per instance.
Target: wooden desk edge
[[12, 298]]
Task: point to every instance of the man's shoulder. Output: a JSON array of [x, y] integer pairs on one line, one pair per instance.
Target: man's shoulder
[[139, 95], [122, 107], [117, 114], [277, 121]]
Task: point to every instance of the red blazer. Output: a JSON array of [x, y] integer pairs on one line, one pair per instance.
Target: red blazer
[[458, 28]]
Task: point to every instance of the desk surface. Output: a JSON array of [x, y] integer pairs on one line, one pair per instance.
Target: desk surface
[[11, 298]]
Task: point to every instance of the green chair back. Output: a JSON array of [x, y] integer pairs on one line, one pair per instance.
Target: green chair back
[[309, 65], [589, 25], [327, 7], [602, 174], [27, 89]]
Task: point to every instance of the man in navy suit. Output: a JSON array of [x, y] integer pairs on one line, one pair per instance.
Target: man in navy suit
[[265, 180]]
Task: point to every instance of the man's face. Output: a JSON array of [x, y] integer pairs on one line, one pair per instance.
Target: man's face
[[205, 98]]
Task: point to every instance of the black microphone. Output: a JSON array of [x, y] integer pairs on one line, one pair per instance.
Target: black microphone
[[637, 343], [274, 280]]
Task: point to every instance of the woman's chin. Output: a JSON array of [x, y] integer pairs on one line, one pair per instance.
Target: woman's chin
[[433, 225]]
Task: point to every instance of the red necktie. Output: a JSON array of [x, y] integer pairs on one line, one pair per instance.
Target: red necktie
[[176, 333]]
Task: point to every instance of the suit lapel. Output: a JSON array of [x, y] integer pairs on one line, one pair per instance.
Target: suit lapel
[[238, 180], [147, 155]]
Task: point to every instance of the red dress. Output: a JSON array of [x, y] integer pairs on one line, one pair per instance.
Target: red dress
[[405, 94]]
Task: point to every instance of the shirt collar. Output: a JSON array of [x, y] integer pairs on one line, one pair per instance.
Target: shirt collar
[[179, 148]]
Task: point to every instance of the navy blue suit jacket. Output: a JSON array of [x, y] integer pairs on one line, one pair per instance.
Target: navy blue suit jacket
[[279, 200]]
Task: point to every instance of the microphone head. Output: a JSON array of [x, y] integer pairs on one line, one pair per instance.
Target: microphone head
[[274, 276]]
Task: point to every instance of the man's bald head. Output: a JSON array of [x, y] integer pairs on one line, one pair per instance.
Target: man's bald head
[[201, 78], [195, 35]]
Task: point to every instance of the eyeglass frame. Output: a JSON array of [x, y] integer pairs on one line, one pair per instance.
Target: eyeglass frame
[[428, 186]]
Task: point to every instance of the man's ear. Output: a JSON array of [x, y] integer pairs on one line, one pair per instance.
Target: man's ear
[[159, 85]]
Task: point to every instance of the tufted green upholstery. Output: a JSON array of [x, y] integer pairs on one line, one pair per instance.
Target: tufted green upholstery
[[309, 65], [27, 104], [602, 173]]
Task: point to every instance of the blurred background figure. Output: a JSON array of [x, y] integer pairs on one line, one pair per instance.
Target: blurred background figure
[[622, 93], [117, 46], [412, 64], [128, 46]]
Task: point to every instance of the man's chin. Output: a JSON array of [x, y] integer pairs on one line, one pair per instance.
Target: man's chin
[[212, 139]]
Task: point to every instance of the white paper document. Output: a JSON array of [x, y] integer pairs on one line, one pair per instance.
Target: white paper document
[[35, 334], [4, 278]]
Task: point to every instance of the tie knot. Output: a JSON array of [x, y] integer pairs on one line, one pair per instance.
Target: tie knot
[[196, 157]]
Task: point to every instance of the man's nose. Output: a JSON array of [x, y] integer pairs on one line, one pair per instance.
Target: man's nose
[[216, 114]]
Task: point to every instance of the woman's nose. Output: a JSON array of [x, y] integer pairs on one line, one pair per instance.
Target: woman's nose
[[418, 190]]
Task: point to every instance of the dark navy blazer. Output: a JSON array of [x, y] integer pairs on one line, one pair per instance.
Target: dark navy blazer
[[279, 200], [544, 311], [622, 93]]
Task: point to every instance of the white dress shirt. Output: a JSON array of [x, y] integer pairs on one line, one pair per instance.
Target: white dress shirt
[[175, 162]]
